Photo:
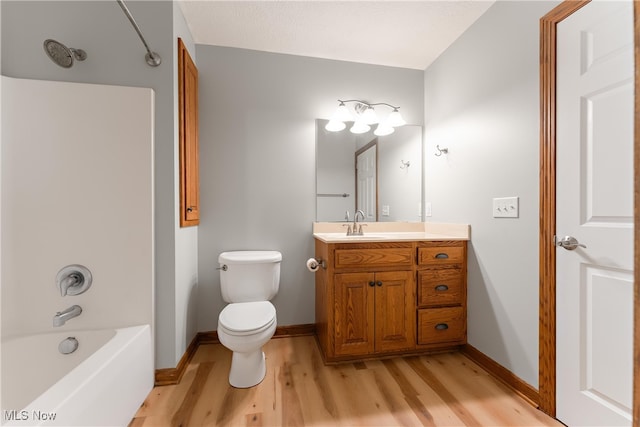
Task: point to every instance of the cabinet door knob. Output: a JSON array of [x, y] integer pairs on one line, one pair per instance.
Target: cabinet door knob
[[442, 326], [372, 284], [441, 255], [441, 288], [189, 209], [379, 283]]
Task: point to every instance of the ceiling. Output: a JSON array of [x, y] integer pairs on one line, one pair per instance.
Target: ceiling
[[407, 34]]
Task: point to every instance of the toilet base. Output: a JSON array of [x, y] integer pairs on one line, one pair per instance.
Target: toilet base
[[247, 369]]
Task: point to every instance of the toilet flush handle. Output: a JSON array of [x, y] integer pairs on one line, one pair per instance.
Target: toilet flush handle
[[223, 268]]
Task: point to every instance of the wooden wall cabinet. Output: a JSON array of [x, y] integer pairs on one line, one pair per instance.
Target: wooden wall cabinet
[[381, 298], [188, 134]]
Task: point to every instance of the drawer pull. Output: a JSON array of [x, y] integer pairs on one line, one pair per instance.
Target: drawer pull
[[441, 288], [442, 327], [372, 284], [379, 283], [441, 255]]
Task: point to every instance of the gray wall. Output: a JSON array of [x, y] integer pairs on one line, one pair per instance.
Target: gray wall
[[185, 318], [482, 102], [116, 56], [257, 158]]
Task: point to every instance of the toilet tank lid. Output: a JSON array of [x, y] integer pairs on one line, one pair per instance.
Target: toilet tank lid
[[249, 257]]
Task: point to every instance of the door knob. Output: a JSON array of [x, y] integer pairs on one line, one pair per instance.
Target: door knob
[[570, 243]]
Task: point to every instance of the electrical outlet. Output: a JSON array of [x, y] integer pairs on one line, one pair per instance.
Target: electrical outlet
[[385, 210], [427, 209], [506, 207]]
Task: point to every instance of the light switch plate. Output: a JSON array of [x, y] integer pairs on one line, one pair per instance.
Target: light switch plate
[[506, 207]]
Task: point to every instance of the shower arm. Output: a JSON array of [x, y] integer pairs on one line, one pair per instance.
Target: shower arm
[[152, 58]]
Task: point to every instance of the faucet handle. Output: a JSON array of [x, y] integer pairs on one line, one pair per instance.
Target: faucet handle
[[360, 225], [73, 279], [349, 231]]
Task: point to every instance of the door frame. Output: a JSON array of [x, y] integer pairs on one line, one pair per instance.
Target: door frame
[[370, 144], [547, 272]]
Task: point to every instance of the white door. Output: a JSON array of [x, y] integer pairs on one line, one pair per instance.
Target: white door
[[594, 178], [367, 178]]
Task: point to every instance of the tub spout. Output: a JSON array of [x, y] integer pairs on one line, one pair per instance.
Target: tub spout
[[61, 317]]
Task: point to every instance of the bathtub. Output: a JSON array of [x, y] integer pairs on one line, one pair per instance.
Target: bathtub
[[103, 383]]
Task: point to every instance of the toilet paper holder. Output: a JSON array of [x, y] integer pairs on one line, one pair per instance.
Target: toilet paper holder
[[314, 263]]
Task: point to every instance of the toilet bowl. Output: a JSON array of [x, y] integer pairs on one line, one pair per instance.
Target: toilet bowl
[[244, 328], [248, 280]]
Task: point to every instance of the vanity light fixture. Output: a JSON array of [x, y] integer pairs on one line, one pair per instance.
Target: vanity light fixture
[[360, 126], [365, 115], [384, 129]]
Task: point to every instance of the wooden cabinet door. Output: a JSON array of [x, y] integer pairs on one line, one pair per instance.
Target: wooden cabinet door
[[354, 313], [189, 158], [394, 311]]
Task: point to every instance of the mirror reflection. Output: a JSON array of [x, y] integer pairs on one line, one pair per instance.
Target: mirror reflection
[[380, 175]]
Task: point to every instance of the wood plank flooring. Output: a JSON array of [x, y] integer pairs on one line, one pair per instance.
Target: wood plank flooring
[[299, 390]]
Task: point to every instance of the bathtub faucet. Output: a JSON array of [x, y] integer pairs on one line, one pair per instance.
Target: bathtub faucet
[[61, 317], [70, 281]]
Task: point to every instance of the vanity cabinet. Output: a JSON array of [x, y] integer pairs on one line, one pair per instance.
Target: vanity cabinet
[[394, 297]]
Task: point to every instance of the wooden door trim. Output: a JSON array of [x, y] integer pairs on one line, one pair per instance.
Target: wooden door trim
[[547, 320], [547, 323], [636, 221], [370, 144]]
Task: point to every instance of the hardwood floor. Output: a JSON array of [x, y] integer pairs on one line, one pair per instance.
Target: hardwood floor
[[299, 390]]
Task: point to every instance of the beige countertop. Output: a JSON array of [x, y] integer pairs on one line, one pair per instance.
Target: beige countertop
[[335, 232]]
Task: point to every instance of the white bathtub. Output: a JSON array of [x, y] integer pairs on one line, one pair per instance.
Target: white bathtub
[[103, 383]]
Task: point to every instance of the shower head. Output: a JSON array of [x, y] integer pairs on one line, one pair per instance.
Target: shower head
[[62, 55]]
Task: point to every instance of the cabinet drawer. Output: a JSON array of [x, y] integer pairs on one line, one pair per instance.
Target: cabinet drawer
[[443, 286], [441, 255], [441, 325], [380, 257]]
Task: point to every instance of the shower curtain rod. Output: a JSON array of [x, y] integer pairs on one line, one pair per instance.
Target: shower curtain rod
[[152, 58]]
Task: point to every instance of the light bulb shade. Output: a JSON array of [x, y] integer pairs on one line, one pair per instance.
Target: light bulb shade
[[335, 125], [395, 119], [342, 114], [383, 129], [369, 116], [360, 127]]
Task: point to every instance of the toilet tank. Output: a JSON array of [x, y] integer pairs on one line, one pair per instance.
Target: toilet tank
[[249, 275]]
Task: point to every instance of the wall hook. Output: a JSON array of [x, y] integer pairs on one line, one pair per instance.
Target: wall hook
[[405, 165], [441, 150]]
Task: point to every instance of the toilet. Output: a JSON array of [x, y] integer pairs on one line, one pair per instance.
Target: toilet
[[248, 281]]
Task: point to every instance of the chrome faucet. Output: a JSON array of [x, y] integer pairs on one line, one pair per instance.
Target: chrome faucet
[[357, 228], [61, 317]]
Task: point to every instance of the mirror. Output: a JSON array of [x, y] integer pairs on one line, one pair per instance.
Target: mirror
[[386, 185]]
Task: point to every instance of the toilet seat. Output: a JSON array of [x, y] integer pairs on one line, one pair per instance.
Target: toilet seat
[[247, 318]]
